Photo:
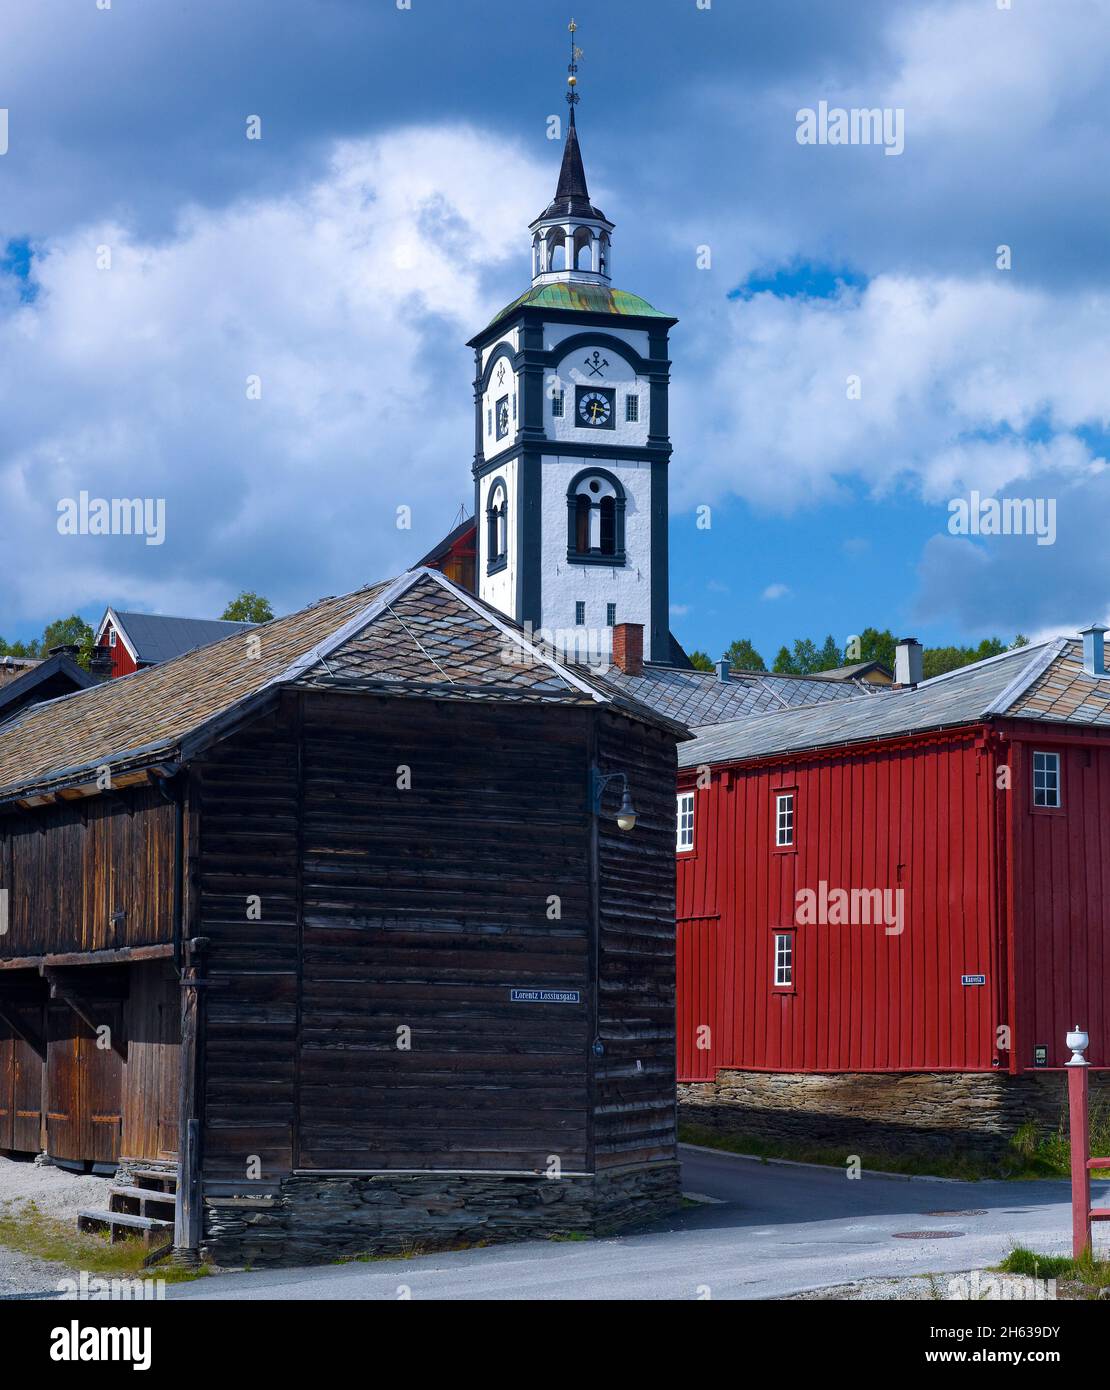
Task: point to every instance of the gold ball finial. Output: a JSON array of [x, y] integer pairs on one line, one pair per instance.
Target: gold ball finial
[[572, 26], [572, 81]]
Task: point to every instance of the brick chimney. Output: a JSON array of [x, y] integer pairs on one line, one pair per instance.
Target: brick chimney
[[908, 662], [628, 648]]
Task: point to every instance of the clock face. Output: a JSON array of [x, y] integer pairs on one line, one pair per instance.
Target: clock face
[[595, 407], [502, 417]]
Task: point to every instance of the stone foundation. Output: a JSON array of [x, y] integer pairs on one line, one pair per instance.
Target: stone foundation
[[306, 1220], [892, 1112]]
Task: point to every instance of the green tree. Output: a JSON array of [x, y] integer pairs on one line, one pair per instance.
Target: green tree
[[249, 607], [701, 661], [804, 656], [830, 655], [875, 646], [742, 656], [784, 663], [66, 632]]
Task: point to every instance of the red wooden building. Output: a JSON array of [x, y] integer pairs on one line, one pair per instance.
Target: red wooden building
[[892, 908], [130, 642]]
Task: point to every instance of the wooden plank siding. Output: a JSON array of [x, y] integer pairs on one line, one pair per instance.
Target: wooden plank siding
[[916, 817], [70, 868], [1061, 890], [409, 914], [634, 1109]]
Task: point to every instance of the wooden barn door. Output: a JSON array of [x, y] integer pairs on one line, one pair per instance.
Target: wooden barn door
[[22, 1037], [153, 1062], [84, 1086], [698, 992]]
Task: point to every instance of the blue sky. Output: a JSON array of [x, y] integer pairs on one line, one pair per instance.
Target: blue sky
[[346, 256]]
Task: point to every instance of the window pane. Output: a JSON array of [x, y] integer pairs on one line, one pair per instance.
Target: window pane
[[608, 510]]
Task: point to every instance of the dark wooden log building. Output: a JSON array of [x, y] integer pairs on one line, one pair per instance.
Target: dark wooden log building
[[324, 920]]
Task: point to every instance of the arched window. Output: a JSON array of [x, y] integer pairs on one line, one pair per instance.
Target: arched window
[[595, 519], [497, 527], [583, 249], [556, 249], [603, 254]]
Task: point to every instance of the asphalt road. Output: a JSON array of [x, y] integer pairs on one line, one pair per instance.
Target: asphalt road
[[770, 1230]]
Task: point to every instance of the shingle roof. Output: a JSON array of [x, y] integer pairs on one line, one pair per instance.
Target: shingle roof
[[157, 638], [56, 674], [700, 697], [1062, 692], [418, 634], [967, 695]]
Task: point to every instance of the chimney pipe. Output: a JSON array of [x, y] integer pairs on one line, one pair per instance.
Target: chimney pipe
[[722, 669], [1094, 650], [100, 664], [628, 648], [908, 662]]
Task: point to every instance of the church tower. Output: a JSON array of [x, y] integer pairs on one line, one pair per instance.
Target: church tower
[[571, 435]]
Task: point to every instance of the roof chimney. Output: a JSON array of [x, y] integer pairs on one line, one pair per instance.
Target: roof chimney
[[1094, 650], [628, 648], [100, 663], [722, 669], [908, 662]]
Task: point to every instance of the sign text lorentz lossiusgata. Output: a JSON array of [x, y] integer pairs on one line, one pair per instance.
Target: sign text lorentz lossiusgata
[[545, 996]]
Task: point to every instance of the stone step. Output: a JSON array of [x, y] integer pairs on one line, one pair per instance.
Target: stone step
[[120, 1225]]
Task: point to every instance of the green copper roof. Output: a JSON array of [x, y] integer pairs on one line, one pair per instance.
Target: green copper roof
[[586, 298]]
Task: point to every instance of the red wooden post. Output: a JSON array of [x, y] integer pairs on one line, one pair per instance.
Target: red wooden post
[[1080, 1145]]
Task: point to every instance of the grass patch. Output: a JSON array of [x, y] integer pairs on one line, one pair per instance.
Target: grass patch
[[33, 1232], [1031, 1153], [1093, 1274]]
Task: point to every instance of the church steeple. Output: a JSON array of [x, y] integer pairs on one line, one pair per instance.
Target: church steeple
[[571, 239]]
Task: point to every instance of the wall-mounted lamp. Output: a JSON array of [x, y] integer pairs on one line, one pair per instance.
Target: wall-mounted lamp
[[626, 812]]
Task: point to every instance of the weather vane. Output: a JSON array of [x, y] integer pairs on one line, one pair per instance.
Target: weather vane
[[572, 68]]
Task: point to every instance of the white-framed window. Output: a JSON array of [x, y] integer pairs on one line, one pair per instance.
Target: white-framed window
[[632, 409], [784, 959], [489, 420], [684, 837], [112, 639], [784, 819], [557, 405], [1046, 779], [580, 613]]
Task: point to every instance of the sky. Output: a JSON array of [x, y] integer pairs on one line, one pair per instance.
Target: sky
[[269, 334]]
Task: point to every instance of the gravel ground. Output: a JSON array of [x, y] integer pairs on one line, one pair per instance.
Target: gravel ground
[[916, 1288], [55, 1192]]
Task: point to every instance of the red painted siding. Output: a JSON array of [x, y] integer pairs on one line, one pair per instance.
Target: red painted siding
[[122, 664], [1061, 888], [915, 816]]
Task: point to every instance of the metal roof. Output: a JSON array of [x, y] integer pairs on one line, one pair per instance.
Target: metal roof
[[155, 638], [584, 298], [964, 696], [701, 697]]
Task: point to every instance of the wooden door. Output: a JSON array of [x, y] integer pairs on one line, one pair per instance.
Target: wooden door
[[84, 1087]]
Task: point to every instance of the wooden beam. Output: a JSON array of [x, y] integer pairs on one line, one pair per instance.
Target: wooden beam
[[22, 1029], [118, 956]]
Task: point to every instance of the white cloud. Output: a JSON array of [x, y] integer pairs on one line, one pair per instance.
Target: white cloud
[[773, 591], [351, 302], [963, 383]]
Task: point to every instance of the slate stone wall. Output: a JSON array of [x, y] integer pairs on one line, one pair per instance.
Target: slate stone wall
[[307, 1220], [911, 1112]]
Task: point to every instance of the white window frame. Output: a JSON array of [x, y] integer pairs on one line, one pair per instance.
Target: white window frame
[[782, 965], [632, 408], [784, 820], [112, 638], [557, 405], [684, 822], [1046, 780]]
